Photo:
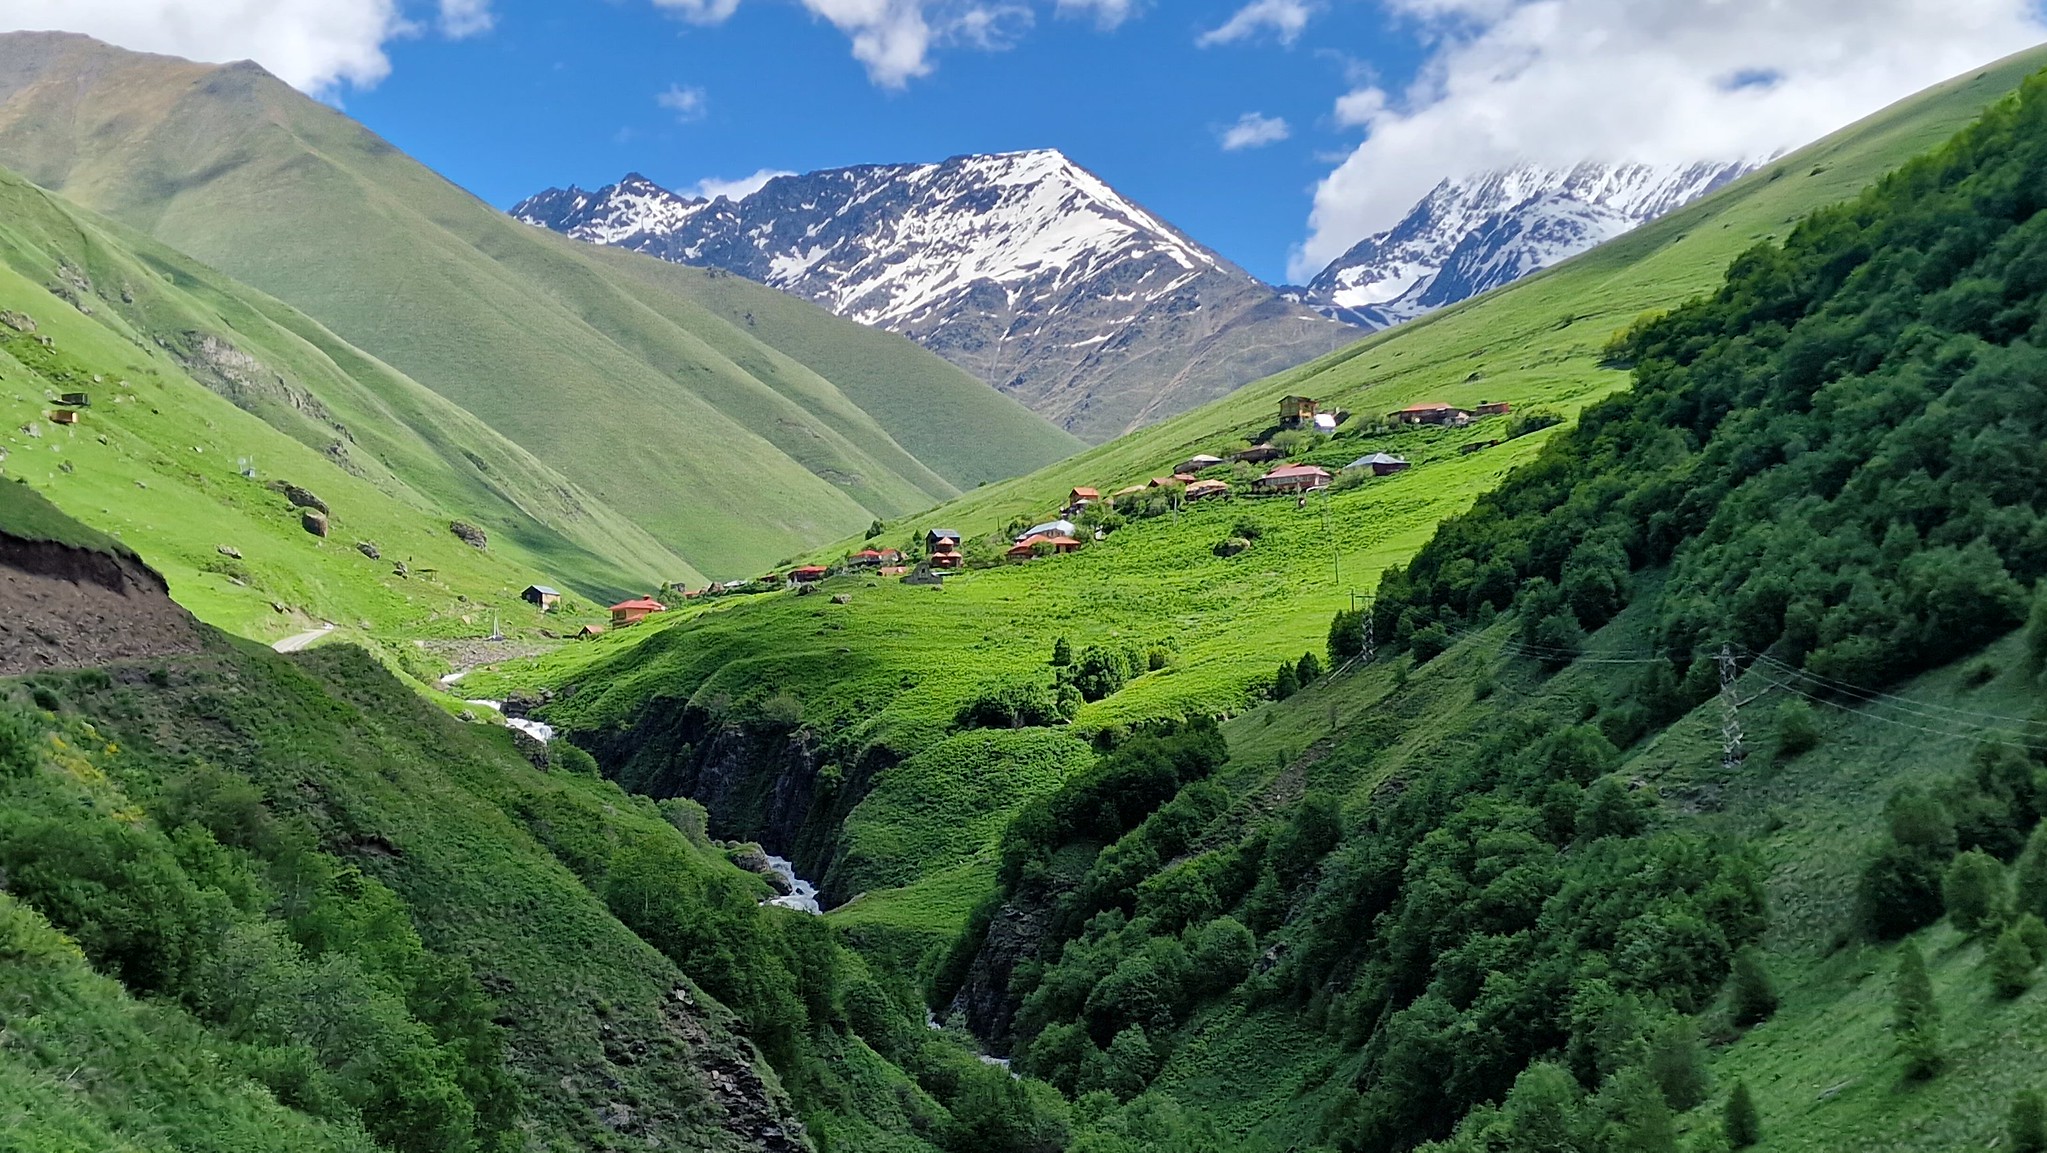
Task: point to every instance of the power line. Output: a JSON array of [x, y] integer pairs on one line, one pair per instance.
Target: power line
[[1978, 735], [1876, 696]]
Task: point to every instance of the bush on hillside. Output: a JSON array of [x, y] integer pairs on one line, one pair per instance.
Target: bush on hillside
[[1797, 729], [1915, 1018], [2011, 965], [1740, 1122], [1973, 892], [2026, 1126], [1752, 996]]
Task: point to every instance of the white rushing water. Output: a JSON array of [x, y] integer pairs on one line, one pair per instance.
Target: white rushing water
[[539, 730], [802, 894]]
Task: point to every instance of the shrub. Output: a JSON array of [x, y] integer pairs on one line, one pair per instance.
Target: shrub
[[1247, 528], [2033, 931], [1740, 1121], [1346, 636], [1899, 892], [1532, 420], [1062, 653], [1754, 994], [1286, 683], [2026, 1128], [1429, 643], [1915, 1016], [1798, 730], [1100, 672], [1308, 670], [1677, 1063], [2011, 965], [1973, 891]]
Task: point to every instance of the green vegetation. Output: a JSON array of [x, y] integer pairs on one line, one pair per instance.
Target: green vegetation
[[734, 424]]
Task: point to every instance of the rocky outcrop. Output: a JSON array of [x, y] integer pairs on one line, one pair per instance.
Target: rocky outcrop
[[984, 1000], [63, 607]]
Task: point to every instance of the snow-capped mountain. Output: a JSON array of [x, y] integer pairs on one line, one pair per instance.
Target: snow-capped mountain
[[1473, 234], [1023, 268]]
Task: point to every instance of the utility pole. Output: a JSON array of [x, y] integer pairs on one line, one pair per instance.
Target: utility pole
[[1732, 752]]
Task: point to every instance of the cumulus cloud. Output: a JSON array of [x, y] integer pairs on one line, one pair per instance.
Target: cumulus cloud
[[1562, 81], [895, 39], [1286, 19], [1108, 15], [461, 19], [1254, 130], [688, 104], [315, 45], [711, 187]]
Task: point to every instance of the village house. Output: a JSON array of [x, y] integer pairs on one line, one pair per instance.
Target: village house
[[942, 547], [808, 574], [1028, 547], [1294, 478], [541, 597], [874, 557], [1079, 499], [1133, 490], [1259, 454], [1198, 462], [1296, 411], [634, 611], [588, 631], [1492, 408], [1431, 412], [1165, 482], [1049, 528], [1381, 464], [1202, 489]]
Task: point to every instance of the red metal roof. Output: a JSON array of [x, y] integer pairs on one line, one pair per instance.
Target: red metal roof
[[1293, 470], [644, 604]]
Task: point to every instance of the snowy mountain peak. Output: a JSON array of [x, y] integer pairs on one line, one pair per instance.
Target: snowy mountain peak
[[1475, 233], [1022, 267]]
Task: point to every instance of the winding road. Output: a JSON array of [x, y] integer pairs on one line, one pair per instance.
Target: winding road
[[292, 644]]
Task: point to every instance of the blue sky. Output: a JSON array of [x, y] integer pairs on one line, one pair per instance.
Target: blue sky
[[559, 93], [1356, 107]]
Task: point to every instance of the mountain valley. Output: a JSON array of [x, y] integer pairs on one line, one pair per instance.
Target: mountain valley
[[1598, 710]]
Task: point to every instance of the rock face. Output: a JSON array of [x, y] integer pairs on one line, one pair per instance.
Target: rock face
[[1474, 234], [68, 608], [469, 534], [1022, 268]]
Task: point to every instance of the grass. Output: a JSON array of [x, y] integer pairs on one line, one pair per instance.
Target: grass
[[891, 667], [734, 425]]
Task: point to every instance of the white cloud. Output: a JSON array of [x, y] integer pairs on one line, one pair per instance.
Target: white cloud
[[688, 104], [701, 11], [1286, 19], [895, 39], [1560, 81], [461, 19], [1108, 15], [711, 187], [1254, 130], [315, 45]]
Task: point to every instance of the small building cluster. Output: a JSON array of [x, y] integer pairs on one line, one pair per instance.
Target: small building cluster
[[1447, 415]]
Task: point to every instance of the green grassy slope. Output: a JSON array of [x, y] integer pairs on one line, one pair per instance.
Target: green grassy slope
[[891, 667], [193, 377], [709, 433]]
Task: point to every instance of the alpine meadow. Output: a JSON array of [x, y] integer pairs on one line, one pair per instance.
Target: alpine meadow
[[473, 687]]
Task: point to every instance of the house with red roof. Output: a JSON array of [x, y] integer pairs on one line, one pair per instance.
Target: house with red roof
[[634, 611], [1293, 478]]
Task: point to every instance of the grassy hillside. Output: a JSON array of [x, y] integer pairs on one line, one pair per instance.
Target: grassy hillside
[[733, 426], [194, 380], [884, 675], [1501, 887], [255, 899]]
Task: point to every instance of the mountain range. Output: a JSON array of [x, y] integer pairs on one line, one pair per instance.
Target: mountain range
[[733, 424], [1023, 268], [1033, 274]]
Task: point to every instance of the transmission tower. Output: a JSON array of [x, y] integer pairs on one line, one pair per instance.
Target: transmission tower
[[1371, 647], [1732, 751]]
